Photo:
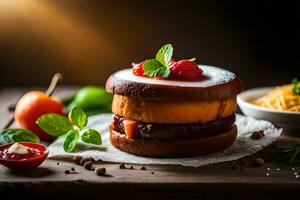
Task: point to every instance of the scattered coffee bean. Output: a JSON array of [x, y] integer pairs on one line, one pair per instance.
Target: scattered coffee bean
[[84, 160], [88, 164], [131, 167], [256, 135], [122, 166], [57, 163], [143, 168], [77, 159], [152, 172], [257, 162], [100, 171], [67, 171], [73, 169]]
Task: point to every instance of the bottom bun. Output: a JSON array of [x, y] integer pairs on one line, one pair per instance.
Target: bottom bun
[[173, 148]]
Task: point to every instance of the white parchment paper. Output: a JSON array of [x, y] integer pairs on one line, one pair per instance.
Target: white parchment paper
[[243, 146]]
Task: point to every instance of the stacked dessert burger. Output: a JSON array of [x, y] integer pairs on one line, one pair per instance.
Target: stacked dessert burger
[[168, 108]]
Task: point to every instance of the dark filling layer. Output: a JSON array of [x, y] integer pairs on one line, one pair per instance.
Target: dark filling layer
[[177, 131]]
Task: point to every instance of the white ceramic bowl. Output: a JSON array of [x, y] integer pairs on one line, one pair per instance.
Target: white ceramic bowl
[[284, 119]]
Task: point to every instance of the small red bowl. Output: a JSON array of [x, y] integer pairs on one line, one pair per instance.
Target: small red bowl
[[25, 163]]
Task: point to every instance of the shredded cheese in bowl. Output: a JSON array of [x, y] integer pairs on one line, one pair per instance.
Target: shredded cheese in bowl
[[281, 98]]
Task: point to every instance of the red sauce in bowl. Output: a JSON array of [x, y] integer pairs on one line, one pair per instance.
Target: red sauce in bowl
[[37, 153]]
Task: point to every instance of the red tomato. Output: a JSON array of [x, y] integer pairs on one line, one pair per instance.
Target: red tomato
[[31, 106]]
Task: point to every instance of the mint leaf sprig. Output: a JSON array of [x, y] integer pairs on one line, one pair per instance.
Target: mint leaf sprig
[[164, 54], [73, 126], [295, 86], [159, 66], [154, 68]]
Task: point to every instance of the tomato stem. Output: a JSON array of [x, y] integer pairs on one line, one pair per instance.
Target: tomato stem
[[55, 79]]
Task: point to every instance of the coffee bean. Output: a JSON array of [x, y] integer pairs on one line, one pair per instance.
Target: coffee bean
[[256, 135], [77, 159], [122, 166], [84, 160], [143, 168], [72, 169], [67, 171], [100, 171], [88, 165]]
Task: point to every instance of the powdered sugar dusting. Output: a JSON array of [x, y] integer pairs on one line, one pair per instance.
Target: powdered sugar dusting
[[213, 76]]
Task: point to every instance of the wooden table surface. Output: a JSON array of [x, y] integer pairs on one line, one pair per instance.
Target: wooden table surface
[[176, 182]]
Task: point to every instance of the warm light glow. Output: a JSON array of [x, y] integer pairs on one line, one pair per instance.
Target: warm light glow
[[73, 41], [9, 4]]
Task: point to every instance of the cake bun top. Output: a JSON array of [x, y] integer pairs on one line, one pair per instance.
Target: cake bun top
[[216, 83]]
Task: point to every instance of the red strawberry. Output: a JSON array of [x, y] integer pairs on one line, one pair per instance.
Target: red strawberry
[[172, 61], [185, 70], [137, 69]]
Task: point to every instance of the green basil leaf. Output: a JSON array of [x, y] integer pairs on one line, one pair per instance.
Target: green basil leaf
[[17, 135], [54, 124], [91, 136], [154, 68], [71, 140], [78, 117], [164, 54]]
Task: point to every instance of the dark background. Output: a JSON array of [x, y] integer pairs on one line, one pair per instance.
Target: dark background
[[87, 40]]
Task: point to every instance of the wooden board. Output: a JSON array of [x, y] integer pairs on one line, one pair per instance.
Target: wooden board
[[171, 182]]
